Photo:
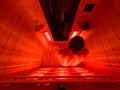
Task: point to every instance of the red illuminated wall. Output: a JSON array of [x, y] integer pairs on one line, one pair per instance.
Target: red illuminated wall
[[103, 38], [20, 50]]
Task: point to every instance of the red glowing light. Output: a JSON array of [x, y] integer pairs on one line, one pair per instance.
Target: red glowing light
[[66, 58], [87, 74], [36, 74], [47, 36], [74, 34], [61, 74]]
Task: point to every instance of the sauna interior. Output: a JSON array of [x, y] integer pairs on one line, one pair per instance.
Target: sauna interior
[[37, 52]]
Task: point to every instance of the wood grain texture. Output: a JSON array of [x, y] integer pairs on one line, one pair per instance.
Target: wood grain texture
[[103, 39], [19, 48], [22, 49]]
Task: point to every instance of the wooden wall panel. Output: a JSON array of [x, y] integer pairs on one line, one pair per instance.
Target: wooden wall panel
[[104, 41], [20, 50]]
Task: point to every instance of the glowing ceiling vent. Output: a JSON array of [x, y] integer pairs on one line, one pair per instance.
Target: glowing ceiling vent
[[47, 36], [74, 34]]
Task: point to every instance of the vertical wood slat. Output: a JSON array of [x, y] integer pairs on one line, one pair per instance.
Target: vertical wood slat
[[19, 49], [105, 40]]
